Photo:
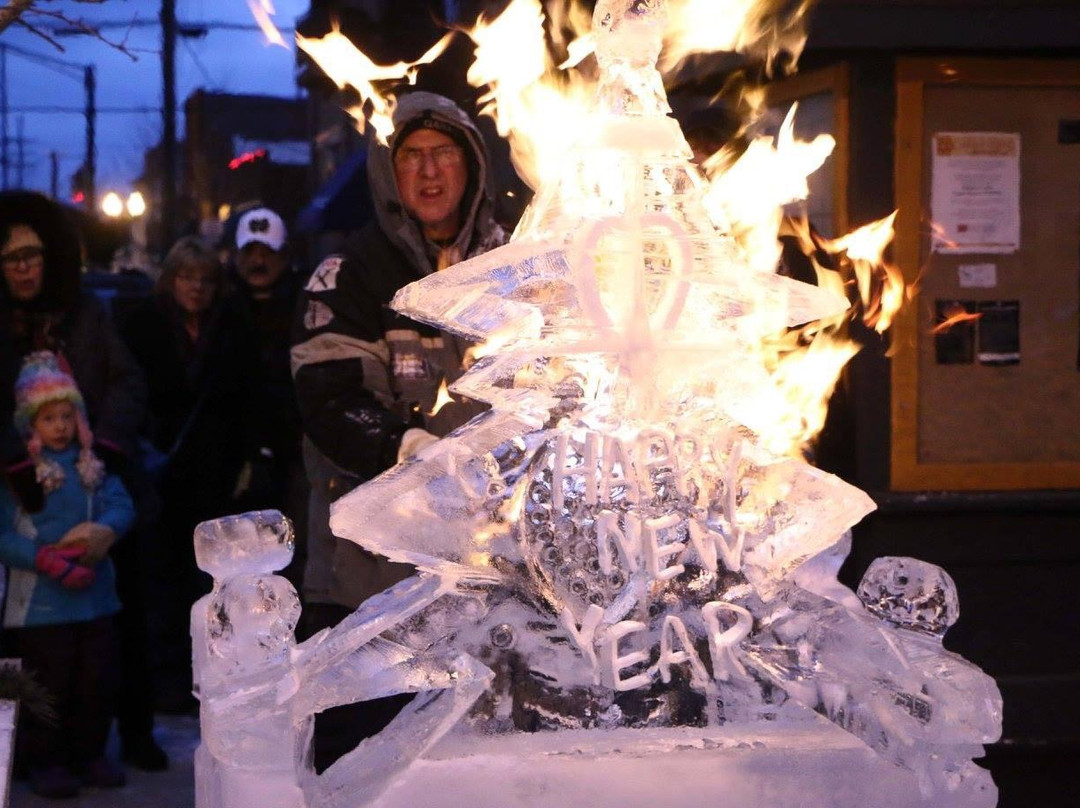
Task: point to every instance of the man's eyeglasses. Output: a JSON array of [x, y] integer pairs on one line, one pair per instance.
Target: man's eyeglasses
[[444, 156], [29, 256]]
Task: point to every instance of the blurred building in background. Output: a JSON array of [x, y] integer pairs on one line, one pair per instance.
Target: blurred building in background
[[241, 149], [237, 150]]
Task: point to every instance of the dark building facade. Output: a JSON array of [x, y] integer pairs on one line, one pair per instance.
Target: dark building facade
[[237, 150], [240, 149]]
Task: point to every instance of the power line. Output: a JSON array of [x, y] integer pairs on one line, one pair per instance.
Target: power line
[[46, 109], [65, 68], [190, 30], [73, 69]]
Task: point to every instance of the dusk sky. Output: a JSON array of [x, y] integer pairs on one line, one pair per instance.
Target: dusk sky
[[224, 61]]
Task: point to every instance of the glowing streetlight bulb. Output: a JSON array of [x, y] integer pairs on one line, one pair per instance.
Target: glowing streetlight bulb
[[112, 205], [136, 204]]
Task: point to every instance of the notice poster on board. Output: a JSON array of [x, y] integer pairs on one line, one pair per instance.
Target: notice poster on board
[[975, 192]]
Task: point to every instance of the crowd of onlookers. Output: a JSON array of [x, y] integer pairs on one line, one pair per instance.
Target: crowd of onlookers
[[125, 421], [230, 383]]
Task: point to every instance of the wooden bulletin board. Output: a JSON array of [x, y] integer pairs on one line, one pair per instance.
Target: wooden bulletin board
[[992, 403], [822, 96]]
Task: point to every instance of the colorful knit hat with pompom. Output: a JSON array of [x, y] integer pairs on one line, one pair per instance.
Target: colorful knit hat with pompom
[[44, 379]]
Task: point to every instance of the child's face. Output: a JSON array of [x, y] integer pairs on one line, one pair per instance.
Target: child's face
[[55, 424]]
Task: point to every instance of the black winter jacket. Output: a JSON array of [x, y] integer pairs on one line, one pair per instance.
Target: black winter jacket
[[363, 373], [204, 399]]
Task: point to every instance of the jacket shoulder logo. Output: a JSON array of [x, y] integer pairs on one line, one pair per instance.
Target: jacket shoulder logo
[[324, 278]]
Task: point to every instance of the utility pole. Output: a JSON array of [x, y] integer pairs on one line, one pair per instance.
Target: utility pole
[[90, 83], [168, 137], [54, 174], [3, 116], [71, 70], [19, 143]]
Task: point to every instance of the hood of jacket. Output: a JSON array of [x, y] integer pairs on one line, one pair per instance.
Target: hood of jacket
[[477, 207]]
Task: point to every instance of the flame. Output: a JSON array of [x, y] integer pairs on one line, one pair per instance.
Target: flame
[[262, 10], [937, 232], [701, 26], [540, 108], [807, 367], [955, 314], [578, 51], [807, 363], [538, 88], [495, 342], [571, 30], [880, 283], [749, 196], [348, 66], [442, 398], [762, 28]]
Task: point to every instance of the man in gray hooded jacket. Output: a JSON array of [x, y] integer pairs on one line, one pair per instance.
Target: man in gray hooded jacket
[[366, 378]]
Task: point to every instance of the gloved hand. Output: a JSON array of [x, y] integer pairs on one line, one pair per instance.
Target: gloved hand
[[95, 540], [414, 441], [59, 564]]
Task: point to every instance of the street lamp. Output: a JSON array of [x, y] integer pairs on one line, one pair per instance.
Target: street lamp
[[136, 205], [112, 205]]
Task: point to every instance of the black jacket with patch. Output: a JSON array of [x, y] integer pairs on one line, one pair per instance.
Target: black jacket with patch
[[363, 373]]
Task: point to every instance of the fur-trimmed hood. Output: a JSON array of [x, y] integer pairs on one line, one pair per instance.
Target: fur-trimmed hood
[[63, 252]]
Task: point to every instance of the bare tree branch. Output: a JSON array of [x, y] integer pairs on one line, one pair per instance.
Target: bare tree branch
[[25, 13], [12, 11], [38, 32]]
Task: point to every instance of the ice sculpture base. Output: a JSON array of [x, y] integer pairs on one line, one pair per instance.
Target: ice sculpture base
[[748, 766]]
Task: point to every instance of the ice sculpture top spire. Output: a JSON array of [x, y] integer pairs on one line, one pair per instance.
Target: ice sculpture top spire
[[629, 35], [617, 277]]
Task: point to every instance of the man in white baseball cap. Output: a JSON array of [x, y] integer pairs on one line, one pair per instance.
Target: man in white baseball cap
[[268, 288], [262, 254]]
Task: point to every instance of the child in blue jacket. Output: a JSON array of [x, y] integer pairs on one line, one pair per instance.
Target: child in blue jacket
[[59, 514]]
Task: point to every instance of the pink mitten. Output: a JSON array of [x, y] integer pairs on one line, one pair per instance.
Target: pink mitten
[[57, 563]]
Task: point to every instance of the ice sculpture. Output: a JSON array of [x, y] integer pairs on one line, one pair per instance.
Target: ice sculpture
[[623, 597], [242, 635]]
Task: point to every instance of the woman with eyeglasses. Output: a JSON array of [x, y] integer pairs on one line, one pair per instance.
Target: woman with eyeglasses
[[43, 307], [199, 353]]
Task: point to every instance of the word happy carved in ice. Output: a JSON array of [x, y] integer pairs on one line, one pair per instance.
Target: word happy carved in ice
[[616, 478]]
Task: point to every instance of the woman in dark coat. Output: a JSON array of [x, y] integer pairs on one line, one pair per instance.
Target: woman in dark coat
[[200, 358], [43, 307]]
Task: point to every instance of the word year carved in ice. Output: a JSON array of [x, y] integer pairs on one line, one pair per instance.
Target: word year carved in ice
[[675, 647]]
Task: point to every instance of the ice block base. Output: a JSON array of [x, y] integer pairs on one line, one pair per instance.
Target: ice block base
[[743, 766]]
